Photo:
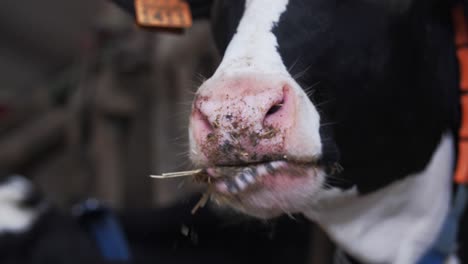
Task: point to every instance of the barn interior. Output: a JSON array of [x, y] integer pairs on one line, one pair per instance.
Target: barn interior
[[91, 105]]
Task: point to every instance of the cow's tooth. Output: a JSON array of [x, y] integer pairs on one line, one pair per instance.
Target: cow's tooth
[[261, 170], [232, 187], [252, 171], [240, 183], [278, 164], [270, 168], [248, 177]]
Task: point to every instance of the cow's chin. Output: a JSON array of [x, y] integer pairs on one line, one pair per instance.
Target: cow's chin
[[270, 189]]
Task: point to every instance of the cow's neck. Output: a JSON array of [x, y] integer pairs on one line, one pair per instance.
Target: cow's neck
[[396, 224]]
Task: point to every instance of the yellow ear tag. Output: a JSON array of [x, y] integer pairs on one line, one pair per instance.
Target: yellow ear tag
[[163, 14]]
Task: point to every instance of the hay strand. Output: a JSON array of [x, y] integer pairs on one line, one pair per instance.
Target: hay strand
[[176, 174]]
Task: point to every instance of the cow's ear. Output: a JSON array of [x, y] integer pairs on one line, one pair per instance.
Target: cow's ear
[[200, 8]]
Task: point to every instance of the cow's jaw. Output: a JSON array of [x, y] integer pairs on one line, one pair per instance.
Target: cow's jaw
[[268, 189]]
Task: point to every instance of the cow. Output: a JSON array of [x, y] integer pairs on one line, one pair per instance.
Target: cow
[[346, 111], [33, 231]]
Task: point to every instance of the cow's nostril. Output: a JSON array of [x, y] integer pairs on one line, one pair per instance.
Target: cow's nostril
[[275, 108], [203, 120]]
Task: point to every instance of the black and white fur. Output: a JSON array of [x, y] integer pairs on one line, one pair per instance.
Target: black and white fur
[[31, 231], [385, 82]]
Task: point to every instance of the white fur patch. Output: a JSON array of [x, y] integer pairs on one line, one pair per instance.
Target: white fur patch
[[14, 218], [396, 224], [254, 46]]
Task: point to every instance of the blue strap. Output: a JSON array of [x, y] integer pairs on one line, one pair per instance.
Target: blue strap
[[433, 257], [105, 229], [446, 242]]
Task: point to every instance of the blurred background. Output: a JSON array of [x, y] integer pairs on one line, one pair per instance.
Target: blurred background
[[91, 105]]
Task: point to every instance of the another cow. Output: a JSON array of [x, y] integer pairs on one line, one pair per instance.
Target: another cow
[[31, 231]]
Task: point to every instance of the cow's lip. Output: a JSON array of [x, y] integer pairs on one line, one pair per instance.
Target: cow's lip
[[249, 177], [280, 158]]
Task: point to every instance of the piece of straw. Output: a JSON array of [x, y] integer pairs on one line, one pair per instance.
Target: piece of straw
[[202, 202], [176, 174]]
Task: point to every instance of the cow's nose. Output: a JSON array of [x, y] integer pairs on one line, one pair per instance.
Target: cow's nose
[[244, 122], [251, 110]]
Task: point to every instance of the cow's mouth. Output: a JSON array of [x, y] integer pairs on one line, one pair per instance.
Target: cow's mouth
[[265, 189], [248, 178]]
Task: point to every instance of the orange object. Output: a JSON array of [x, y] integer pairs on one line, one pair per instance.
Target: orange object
[[461, 41], [163, 14]]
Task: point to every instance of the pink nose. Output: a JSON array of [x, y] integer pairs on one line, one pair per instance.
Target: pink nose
[[242, 120]]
